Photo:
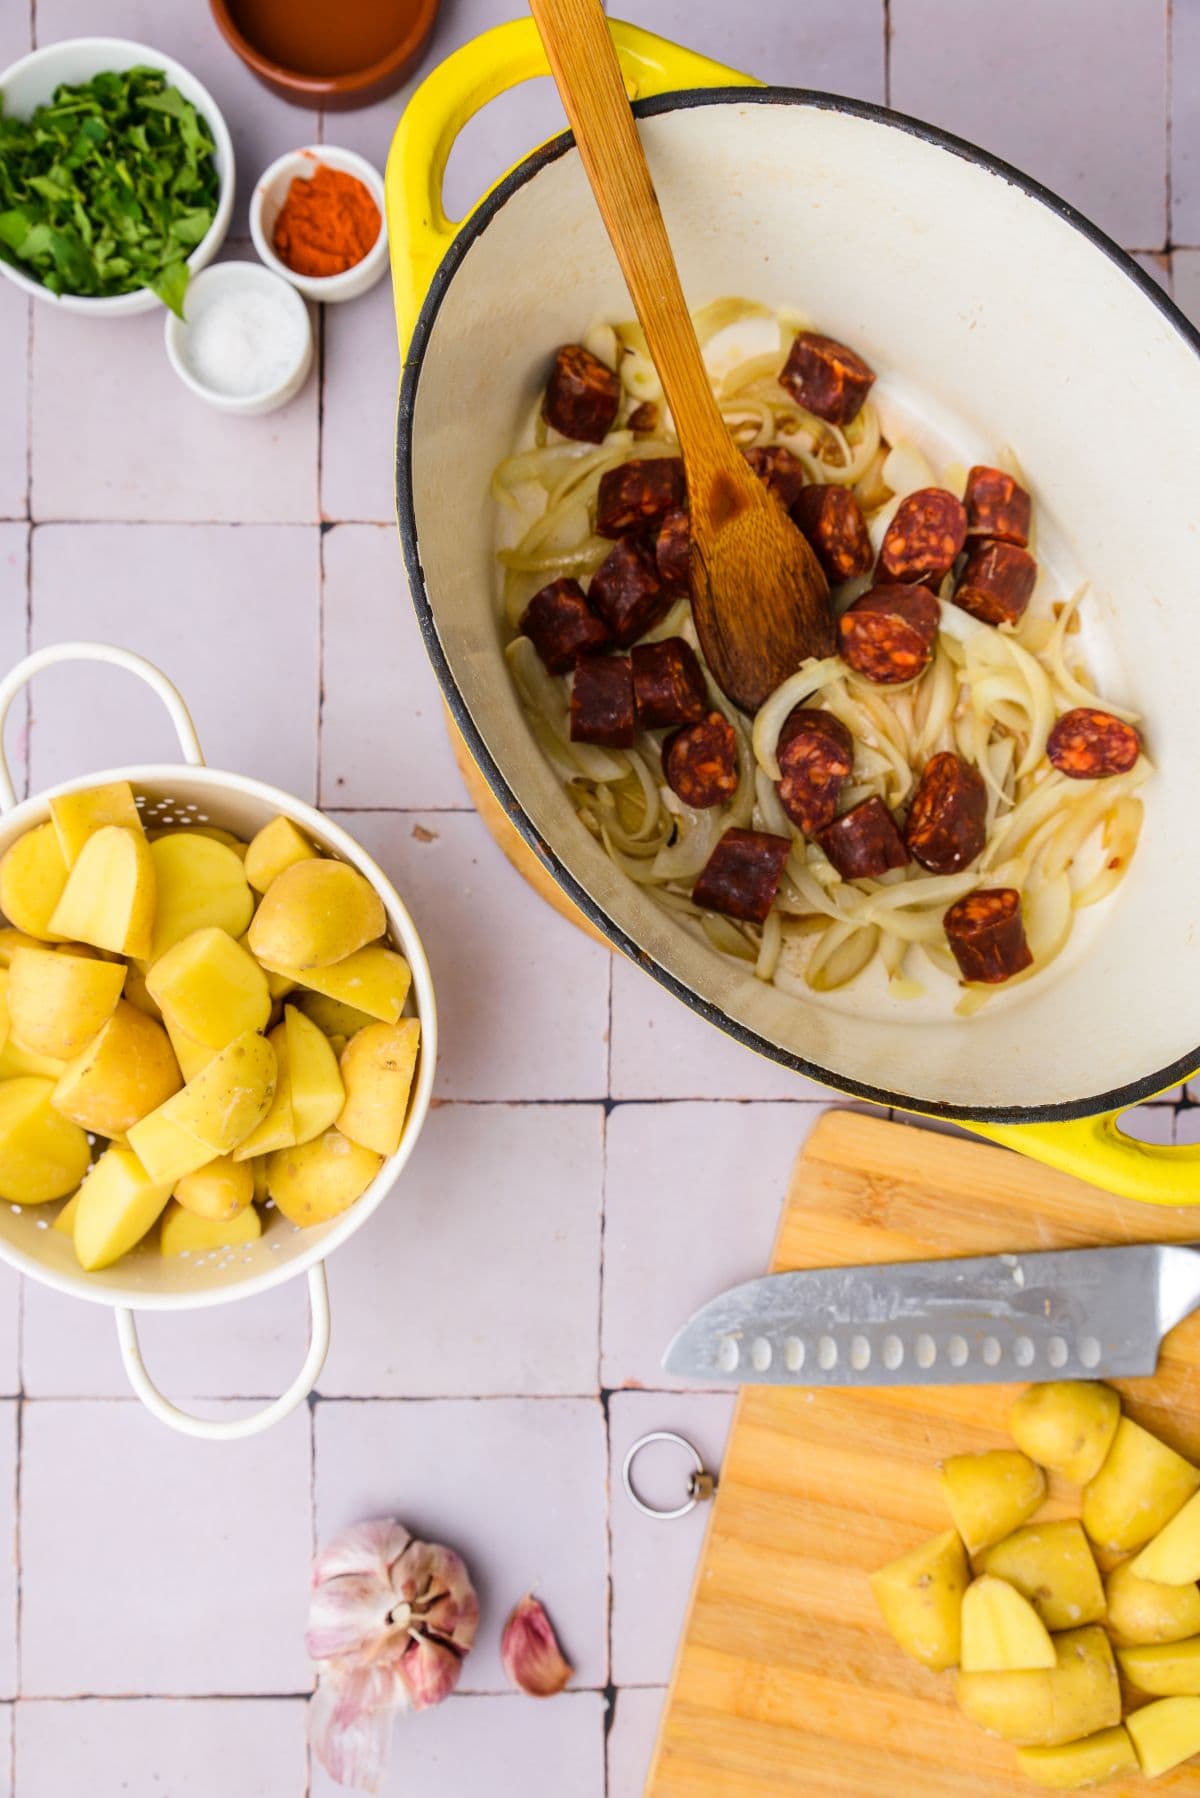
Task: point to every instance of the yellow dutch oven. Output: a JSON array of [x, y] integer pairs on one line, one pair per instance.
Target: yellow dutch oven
[[998, 303]]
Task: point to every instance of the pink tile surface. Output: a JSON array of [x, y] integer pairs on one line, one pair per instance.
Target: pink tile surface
[[631, 1739], [834, 45], [490, 950], [506, 1747], [1034, 91], [249, 675], [14, 384], [9, 1446], [487, 1254], [191, 1576], [14, 604], [162, 1748], [1185, 122], [517, 1486], [654, 1561], [1185, 266], [359, 391], [6, 1750], [692, 1201], [383, 727], [10, 1332]]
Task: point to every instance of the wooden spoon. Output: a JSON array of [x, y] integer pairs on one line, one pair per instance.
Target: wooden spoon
[[759, 597]]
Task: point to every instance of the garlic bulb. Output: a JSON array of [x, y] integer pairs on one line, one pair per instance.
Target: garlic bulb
[[390, 1622], [530, 1652]]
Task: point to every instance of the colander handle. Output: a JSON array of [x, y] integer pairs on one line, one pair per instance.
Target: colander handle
[[23, 673], [214, 1429]]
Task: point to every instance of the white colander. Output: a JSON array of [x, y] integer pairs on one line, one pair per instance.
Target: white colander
[[188, 793]]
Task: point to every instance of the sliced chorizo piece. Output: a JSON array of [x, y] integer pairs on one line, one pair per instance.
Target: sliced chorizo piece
[[668, 684], [673, 552], [997, 506], [627, 593], [602, 702], [1087, 744], [700, 762], [926, 534], [643, 420], [582, 395], [778, 469], [889, 634], [831, 518], [741, 877], [997, 582], [561, 625], [947, 820], [826, 378], [986, 934], [815, 753], [863, 843], [637, 495]]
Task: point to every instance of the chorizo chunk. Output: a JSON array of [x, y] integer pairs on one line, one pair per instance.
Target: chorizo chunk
[[997, 506], [831, 518], [673, 552], [741, 877], [947, 820], [986, 934], [889, 634], [627, 593], [1087, 744], [643, 420], [700, 762], [602, 702], [778, 469], [997, 582], [864, 843], [637, 495], [561, 625], [816, 755], [826, 378], [582, 395], [668, 684], [923, 539]]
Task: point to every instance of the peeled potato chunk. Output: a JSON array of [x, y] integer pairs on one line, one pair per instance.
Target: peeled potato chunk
[[14, 1060], [32, 877], [278, 985], [991, 1494], [14, 939], [1052, 1565], [377, 1070], [193, 1057], [1001, 1631], [109, 898], [333, 1016], [58, 1003], [220, 1190], [183, 1233], [1173, 1557], [227, 1099], [278, 845], [920, 1595], [118, 1203], [125, 1072], [210, 988], [1067, 1425], [316, 1180], [78, 816], [278, 1128], [1044, 1707], [166, 1151], [1087, 1763], [1137, 1491], [42, 1156], [316, 1083], [135, 990], [374, 982], [316, 913], [64, 1223], [1164, 1734], [201, 884], [1164, 1670], [1142, 1611]]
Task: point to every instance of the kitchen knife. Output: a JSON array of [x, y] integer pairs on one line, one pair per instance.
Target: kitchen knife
[[1062, 1314]]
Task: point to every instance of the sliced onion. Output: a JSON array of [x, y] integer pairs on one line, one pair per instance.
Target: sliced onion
[[906, 470], [770, 717]]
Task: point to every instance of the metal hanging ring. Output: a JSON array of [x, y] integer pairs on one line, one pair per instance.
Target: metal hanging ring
[[700, 1487]]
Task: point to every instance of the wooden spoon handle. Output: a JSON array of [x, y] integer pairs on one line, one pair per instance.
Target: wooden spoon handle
[[585, 67]]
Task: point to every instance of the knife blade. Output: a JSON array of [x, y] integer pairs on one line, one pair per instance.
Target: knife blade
[[1048, 1315]]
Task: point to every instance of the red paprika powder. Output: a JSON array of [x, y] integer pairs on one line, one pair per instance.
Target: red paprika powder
[[327, 223]]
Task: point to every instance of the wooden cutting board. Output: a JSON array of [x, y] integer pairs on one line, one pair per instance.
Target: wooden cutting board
[[787, 1684]]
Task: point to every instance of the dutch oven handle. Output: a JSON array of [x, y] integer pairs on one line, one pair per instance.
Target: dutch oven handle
[[214, 1429], [418, 230], [1097, 1150]]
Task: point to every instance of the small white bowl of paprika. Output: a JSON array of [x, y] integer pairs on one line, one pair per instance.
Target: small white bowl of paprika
[[316, 218]]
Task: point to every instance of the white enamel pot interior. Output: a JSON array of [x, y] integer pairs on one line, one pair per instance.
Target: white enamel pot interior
[[184, 794], [981, 300]]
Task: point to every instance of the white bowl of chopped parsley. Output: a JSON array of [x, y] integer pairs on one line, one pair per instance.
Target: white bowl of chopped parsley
[[116, 176]]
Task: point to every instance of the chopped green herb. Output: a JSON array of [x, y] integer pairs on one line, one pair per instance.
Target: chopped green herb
[[108, 188]]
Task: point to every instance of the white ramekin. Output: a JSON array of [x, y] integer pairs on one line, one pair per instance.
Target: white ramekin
[[270, 192]]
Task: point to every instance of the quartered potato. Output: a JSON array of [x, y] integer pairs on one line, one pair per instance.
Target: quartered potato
[[373, 984], [126, 1071], [109, 898], [1164, 1734], [42, 1156], [209, 988], [183, 1233], [225, 1102], [920, 1594], [32, 877], [1166, 1670], [201, 883], [1087, 1763], [1043, 1708], [1141, 1611], [1053, 1566], [218, 1192], [377, 1066], [314, 913], [316, 1083], [1067, 1425], [1173, 1557], [991, 1494], [118, 1203], [1137, 1491], [278, 845], [58, 1002], [78, 816], [1001, 1631], [317, 1180]]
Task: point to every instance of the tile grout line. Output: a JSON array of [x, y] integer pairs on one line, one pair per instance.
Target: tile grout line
[[887, 52], [1168, 135]]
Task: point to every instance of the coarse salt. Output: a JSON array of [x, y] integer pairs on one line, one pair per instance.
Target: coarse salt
[[244, 341]]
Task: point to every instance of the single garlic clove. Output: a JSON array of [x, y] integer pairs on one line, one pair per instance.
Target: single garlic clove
[[350, 1722], [430, 1670], [529, 1650]]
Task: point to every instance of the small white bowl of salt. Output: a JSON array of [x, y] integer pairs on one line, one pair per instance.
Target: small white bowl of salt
[[245, 341]]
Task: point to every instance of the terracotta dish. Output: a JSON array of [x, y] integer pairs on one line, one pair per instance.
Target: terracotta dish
[[334, 57]]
